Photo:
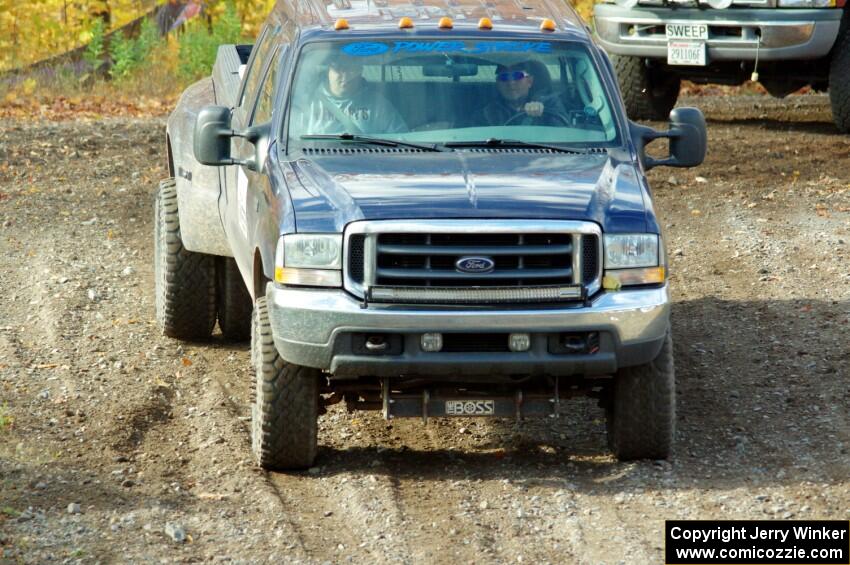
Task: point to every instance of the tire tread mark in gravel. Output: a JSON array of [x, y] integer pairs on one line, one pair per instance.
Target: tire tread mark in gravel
[[185, 281], [320, 520], [235, 411], [416, 508]]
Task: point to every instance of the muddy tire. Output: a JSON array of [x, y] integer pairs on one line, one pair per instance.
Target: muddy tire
[[233, 301], [642, 410], [647, 95], [839, 79], [184, 280], [286, 406]]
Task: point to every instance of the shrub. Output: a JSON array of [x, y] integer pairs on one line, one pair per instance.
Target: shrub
[[123, 52], [93, 54], [131, 54], [147, 41]]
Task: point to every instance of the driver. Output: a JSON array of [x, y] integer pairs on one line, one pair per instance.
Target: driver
[[347, 103], [516, 104]]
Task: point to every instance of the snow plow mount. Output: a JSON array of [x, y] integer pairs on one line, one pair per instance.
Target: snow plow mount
[[438, 403]]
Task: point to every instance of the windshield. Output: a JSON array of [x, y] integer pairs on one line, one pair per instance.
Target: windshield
[[439, 91]]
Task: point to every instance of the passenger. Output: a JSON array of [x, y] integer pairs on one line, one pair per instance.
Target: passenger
[[347, 103], [517, 105]]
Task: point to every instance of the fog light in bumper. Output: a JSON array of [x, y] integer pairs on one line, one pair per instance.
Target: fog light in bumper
[[431, 342], [519, 342]]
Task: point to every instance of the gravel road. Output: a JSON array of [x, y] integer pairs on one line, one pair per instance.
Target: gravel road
[[119, 445]]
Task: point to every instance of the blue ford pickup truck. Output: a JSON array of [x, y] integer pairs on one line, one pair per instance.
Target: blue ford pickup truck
[[433, 210]]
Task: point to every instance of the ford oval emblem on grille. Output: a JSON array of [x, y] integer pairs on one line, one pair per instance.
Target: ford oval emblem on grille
[[476, 265]]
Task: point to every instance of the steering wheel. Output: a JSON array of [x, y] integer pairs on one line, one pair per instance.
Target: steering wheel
[[559, 118]]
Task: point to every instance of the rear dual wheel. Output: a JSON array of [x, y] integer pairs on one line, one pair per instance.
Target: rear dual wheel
[[193, 289], [234, 304], [184, 280]]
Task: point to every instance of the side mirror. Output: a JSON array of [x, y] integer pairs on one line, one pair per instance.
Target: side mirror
[[688, 139], [212, 136]]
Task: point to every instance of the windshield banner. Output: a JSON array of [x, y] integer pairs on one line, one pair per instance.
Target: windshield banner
[[370, 48]]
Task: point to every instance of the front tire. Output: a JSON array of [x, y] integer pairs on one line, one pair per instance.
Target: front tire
[[286, 407], [642, 410], [184, 280], [839, 80], [647, 95]]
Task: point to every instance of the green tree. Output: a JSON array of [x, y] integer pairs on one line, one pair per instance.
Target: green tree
[[93, 54]]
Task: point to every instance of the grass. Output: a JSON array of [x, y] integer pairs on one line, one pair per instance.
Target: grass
[[5, 418]]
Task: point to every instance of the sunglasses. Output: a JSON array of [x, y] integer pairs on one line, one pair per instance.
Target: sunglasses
[[508, 76]]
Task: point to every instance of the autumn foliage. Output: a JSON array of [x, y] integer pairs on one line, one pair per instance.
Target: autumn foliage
[[61, 59], [35, 30]]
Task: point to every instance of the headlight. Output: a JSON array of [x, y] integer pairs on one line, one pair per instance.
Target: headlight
[[309, 260], [631, 251], [312, 251], [807, 3], [626, 3], [719, 4]]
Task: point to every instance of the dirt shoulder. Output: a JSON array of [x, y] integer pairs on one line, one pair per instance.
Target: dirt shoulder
[[150, 436]]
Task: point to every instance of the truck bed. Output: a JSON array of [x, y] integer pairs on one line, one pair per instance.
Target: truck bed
[[227, 72]]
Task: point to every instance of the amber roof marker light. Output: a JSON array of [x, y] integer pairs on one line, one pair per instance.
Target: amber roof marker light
[[485, 23], [547, 25], [341, 24], [405, 23], [445, 23]]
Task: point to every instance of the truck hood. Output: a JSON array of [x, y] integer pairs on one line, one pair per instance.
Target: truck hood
[[330, 191]]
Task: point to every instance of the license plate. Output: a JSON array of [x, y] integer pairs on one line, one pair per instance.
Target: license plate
[[687, 31], [470, 408], [686, 53]]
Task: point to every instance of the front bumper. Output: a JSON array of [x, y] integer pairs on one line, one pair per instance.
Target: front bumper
[[314, 328], [786, 34]]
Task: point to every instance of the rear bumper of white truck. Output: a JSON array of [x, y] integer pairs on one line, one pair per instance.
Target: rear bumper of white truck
[[733, 34]]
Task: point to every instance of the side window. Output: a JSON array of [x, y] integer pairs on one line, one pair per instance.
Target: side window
[[265, 103], [259, 58]]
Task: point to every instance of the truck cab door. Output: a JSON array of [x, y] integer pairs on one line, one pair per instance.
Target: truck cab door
[[250, 182], [234, 175]]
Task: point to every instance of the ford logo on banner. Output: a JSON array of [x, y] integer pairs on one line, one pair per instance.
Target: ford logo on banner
[[477, 265], [365, 49]]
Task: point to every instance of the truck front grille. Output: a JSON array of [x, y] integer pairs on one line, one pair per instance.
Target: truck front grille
[[355, 257], [510, 262], [431, 259]]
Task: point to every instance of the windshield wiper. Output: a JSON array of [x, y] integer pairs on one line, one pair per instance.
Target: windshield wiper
[[373, 140], [507, 143]]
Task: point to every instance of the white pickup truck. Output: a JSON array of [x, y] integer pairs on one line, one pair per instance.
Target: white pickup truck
[[784, 44]]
